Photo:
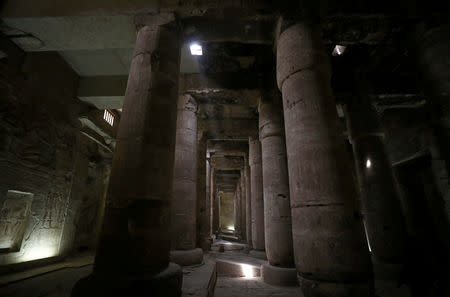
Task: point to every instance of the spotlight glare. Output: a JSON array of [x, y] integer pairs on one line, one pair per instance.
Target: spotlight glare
[[368, 163], [247, 270], [196, 49], [338, 50]]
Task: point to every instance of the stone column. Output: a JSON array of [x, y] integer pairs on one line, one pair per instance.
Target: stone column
[[133, 252], [209, 204], [257, 194], [330, 249], [237, 211], [215, 203], [380, 203], [242, 206], [248, 204], [277, 210], [184, 205], [202, 219]]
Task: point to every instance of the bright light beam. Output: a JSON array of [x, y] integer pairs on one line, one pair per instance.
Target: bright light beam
[[196, 49]]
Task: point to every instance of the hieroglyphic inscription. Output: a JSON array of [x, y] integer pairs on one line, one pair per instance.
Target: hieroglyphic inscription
[[13, 219]]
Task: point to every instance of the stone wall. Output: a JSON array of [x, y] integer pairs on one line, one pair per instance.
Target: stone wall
[[43, 152]]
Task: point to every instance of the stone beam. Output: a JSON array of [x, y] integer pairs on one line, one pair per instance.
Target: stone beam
[[229, 128], [219, 30], [227, 146], [210, 83], [104, 92], [226, 111], [207, 89], [389, 101], [227, 162]]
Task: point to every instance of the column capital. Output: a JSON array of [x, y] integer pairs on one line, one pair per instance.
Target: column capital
[[148, 19], [292, 59], [270, 109]]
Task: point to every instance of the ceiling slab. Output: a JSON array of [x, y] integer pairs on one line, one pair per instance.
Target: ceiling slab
[[78, 32], [99, 62]]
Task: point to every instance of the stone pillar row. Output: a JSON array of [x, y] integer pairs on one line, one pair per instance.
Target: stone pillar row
[[184, 203], [330, 250], [277, 210], [133, 252]]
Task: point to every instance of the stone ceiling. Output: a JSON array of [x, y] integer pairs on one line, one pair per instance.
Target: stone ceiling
[[96, 37]]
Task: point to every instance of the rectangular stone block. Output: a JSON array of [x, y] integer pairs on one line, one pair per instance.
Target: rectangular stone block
[[14, 216]]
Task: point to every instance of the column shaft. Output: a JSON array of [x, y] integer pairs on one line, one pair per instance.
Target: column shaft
[[216, 205], [208, 198], [248, 204], [330, 249], [202, 218], [137, 214], [381, 205], [237, 211], [133, 252], [242, 206], [257, 203], [277, 209], [184, 211]]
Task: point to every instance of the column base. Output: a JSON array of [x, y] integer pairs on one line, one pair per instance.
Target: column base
[[206, 243], [279, 276], [166, 283], [258, 254], [388, 271], [187, 257], [318, 288]]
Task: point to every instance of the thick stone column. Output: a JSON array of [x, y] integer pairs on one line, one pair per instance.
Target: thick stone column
[[330, 249], [248, 204], [277, 210], [133, 252], [380, 203], [184, 205], [257, 194]]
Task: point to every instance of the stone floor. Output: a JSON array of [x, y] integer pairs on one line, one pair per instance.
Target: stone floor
[[57, 280], [246, 287], [51, 284]]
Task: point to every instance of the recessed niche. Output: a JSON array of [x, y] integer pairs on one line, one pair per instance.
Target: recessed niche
[[14, 216]]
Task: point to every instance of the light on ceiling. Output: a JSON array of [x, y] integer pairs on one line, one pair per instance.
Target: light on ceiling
[[339, 50], [196, 49], [368, 163]]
